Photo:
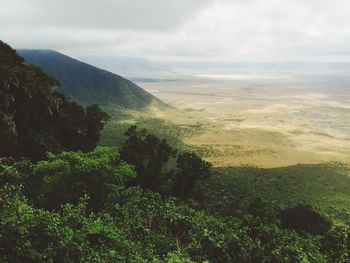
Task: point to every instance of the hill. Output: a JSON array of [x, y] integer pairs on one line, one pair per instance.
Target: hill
[[85, 83]]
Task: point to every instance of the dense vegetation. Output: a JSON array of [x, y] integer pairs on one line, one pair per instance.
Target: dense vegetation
[[87, 84], [145, 203], [34, 119], [85, 207], [325, 186]]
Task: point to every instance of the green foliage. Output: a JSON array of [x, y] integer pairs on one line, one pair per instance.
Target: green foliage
[[25, 105], [190, 168], [33, 119], [81, 207], [149, 155], [337, 244], [77, 128], [66, 177], [177, 257], [28, 234], [95, 122], [326, 187]]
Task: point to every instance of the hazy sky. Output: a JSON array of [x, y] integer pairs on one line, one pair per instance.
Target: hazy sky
[[182, 29]]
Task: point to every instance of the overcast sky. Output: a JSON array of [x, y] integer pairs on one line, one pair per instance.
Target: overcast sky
[[182, 29]]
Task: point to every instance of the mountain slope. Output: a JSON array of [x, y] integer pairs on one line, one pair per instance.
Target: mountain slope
[[85, 83]]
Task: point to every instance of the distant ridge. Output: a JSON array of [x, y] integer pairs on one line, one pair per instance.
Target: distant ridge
[[85, 83]]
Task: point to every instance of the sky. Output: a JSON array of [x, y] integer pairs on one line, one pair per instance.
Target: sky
[[226, 30]]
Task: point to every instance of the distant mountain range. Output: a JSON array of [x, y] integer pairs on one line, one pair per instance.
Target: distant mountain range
[[124, 64], [85, 83], [134, 65]]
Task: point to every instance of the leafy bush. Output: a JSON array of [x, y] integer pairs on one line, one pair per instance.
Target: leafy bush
[[81, 207], [336, 244], [28, 234], [66, 177]]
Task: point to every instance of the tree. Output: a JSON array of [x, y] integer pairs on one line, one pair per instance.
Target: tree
[[34, 119], [190, 168], [25, 106], [148, 154], [95, 122], [77, 128]]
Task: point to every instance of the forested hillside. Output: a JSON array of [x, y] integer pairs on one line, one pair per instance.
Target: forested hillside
[[62, 199], [85, 83], [35, 119]]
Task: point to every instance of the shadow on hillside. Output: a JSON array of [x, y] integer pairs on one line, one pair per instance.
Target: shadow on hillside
[[325, 186]]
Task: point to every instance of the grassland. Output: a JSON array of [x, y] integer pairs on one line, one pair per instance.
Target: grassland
[[278, 140], [265, 124]]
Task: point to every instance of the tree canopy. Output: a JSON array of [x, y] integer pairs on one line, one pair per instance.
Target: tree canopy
[[148, 154], [35, 119], [80, 207], [190, 168]]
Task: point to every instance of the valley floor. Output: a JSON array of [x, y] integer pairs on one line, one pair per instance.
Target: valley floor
[[287, 145], [260, 123]]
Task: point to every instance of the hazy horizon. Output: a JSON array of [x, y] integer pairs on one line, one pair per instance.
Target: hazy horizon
[[210, 30]]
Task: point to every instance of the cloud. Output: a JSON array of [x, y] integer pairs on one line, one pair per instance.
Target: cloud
[[100, 14], [183, 29]]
